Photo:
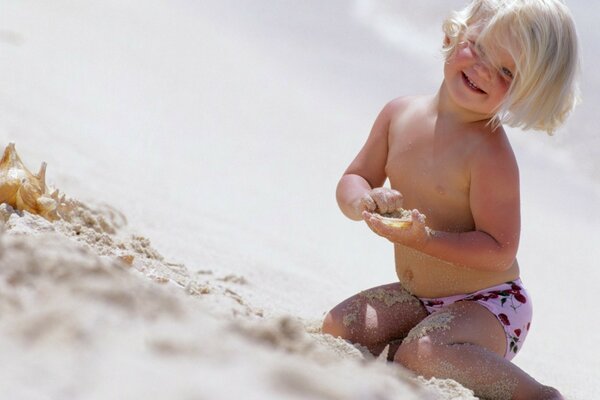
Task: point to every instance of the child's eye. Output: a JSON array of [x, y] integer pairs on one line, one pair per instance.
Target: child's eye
[[507, 73]]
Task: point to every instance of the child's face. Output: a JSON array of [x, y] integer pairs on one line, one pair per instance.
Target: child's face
[[475, 83]]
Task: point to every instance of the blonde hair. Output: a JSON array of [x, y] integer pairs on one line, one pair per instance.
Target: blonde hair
[[540, 36]]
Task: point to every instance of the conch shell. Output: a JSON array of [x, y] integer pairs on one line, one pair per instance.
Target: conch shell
[[23, 190]]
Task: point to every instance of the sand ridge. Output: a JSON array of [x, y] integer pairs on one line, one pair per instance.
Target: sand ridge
[[84, 282]]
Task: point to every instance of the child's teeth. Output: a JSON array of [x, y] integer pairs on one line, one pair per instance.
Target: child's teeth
[[472, 84]]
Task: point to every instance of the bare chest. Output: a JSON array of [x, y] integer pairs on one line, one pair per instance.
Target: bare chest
[[432, 173]]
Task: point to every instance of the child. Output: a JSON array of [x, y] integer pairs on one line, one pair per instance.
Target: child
[[459, 309]]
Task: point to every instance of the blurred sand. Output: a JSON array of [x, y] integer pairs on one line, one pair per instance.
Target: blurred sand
[[210, 136]]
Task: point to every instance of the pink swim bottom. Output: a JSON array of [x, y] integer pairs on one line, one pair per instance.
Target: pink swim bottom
[[509, 302]]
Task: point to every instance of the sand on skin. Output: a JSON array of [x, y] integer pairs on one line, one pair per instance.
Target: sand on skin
[[124, 112]]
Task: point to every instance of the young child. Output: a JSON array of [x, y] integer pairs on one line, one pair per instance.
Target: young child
[[459, 309]]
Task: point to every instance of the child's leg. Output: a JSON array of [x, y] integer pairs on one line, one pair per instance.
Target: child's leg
[[375, 317], [465, 342]]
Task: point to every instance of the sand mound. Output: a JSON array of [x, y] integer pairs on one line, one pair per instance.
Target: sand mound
[[89, 311]]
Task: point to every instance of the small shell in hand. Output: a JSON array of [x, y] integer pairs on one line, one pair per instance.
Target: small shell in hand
[[398, 219], [23, 190]]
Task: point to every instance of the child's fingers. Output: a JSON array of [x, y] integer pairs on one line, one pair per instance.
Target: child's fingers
[[395, 200], [368, 217], [377, 225], [402, 235], [417, 217], [388, 200], [371, 220], [381, 202], [367, 203], [398, 201]]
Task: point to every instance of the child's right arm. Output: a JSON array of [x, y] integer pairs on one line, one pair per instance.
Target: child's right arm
[[360, 189]]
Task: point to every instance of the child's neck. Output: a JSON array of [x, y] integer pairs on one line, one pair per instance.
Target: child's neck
[[446, 107]]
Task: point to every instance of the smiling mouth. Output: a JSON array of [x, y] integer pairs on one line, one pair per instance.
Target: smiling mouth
[[471, 84]]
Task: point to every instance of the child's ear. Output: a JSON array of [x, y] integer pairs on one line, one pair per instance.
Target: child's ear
[[446, 41]]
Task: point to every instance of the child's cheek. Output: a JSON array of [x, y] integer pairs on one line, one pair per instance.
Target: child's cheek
[[504, 86]]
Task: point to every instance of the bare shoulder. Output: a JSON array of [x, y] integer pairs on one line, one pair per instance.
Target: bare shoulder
[[494, 156], [401, 105], [496, 147], [393, 113], [371, 160], [402, 113]]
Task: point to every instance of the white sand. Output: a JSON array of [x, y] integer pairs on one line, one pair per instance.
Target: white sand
[[210, 136]]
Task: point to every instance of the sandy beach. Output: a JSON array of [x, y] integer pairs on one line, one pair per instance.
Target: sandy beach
[[200, 143]]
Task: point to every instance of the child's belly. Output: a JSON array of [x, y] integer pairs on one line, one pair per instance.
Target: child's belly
[[426, 276]]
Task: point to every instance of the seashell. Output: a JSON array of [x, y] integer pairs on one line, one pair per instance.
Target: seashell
[[25, 191], [397, 219]]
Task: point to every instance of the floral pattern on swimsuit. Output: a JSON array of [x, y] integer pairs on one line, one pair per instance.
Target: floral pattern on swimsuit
[[509, 302]]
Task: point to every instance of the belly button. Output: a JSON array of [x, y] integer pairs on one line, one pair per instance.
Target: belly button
[[408, 275], [440, 189]]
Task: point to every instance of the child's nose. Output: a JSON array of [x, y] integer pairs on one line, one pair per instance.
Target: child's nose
[[483, 70]]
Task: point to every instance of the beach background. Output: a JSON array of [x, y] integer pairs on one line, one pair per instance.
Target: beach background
[[203, 141]]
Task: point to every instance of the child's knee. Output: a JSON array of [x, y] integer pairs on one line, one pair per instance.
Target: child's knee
[[344, 320], [333, 326], [416, 353]]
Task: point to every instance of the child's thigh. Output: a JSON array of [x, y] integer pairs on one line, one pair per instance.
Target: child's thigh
[[377, 315], [464, 322]]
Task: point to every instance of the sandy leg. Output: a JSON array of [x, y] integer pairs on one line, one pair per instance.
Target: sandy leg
[[450, 345], [375, 317]]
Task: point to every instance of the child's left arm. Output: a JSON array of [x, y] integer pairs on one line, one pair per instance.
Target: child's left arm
[[495, 206]]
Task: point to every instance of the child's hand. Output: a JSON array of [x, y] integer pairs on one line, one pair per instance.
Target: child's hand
[[415, 235], [383, 200]]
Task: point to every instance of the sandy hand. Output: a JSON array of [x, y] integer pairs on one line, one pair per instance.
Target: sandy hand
[[400, 218], [381, 200], [409, 232]]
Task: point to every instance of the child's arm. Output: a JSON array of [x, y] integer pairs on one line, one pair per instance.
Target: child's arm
[[355, 192], [494, 201]]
